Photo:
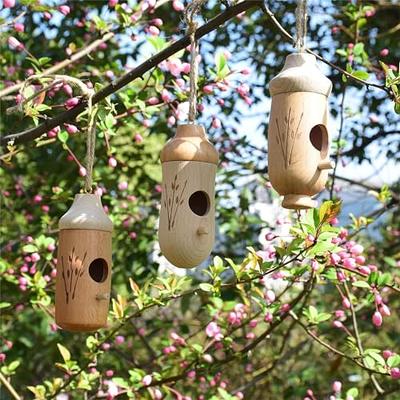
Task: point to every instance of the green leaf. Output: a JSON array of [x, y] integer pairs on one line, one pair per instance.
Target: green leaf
[[361, 284], [4, 304], [364, 75], [66, 355], [29, 248], [63, 136], [341, 52], [110, 121], [393, 361], [358, 49], [352, 392], [206, 287], [323, 317]]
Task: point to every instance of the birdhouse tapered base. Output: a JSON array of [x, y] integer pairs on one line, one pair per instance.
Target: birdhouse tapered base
[[83, 281], [298, 202]]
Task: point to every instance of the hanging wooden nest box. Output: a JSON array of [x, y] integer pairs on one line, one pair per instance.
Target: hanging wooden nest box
[[83, 265], [187, 217], [298, 139]]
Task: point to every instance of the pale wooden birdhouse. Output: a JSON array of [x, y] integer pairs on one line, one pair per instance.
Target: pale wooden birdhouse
[[298, 138], [187, 216], [83, 281]]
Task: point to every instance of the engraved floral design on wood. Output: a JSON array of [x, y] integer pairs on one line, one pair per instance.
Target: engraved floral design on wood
[[173, 200], [288, 135], [72, 273]]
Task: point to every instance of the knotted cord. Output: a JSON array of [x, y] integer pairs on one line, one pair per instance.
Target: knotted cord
[[90, 146], [190, 13], [301, 25]]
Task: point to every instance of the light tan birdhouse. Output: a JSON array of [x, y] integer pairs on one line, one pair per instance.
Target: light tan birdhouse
[[298, 138], [187, 216], [83, 281]]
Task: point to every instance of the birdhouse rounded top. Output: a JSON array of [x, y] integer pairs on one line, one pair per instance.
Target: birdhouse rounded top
[[86, 212], [190, 143], [300, 74]]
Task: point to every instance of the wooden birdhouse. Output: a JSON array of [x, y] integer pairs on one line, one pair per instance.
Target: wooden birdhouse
[[187, 217], [298, 138], [83, 265]]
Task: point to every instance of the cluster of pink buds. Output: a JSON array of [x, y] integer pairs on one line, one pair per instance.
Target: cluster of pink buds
[[236, 316]]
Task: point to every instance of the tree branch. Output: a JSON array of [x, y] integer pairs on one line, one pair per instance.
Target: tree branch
[[70, 115]]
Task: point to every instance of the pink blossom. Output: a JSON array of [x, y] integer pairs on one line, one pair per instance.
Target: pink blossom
[[357, 250], [37, 198], [214, 331], [112, 3], [339, 314], [138, 138], [133, 235], [35, 257], [175, 67], [349, 262], [284, 308], [360, 260], [2, 357], [109, 373], [65, 10], [253, 323], [314, 265], [19, 27], [15, 44], [395, 373], [106, 346], [157, 21], [186, 68], [377, 319], [243, 89], [216, 123], [8, 3], [171, 120], [178, 5], [191, 374]]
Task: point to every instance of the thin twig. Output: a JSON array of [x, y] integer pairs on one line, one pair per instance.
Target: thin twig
[[9, 387]]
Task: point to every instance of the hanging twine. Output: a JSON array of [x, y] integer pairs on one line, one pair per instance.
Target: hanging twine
[[90, 147], [191, 10], [301, 25]]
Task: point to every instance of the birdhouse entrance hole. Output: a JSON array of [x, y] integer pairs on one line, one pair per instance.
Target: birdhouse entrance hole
[[98, 270], [319, 139], [199, 203]]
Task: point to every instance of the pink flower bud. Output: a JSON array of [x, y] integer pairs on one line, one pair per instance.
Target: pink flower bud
[[377, 319], [106, 346], [153, 100], [109, 373], [123, 185], [112, 162], [357, 250], [15, 44], [208, 89], [395, 373], [216, 123], [65, 10], [387, 353], [166, 96], [178, 5], [146, 381], [384, 52], [133, 235], [339, 314], [138, 138], [8, 3], [35, 257], [153, 30], [71, 129], [67, 89], [385, 310], [19, 27], [157, 22], [270, 236], [245, 71], [2, 355], [253, 323], [82, 171], [337, 324], [334, 259], [349, 262], [112, 3], [71, 103], [336, 386], [119, 339], [270, 296], [346, 303], [360, 260]]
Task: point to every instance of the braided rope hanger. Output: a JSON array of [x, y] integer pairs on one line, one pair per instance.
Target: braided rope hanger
[[190, 13], [301, 25]]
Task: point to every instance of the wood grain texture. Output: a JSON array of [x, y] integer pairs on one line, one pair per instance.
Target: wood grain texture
[[187, 238], [82, 302], [298, 139]]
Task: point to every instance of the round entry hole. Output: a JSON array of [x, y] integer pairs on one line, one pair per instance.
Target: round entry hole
[[199, 203], [98, 270], [319, 138]]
